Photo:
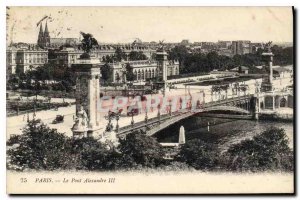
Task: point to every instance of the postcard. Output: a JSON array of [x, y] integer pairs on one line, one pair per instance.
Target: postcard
[[150, 100]]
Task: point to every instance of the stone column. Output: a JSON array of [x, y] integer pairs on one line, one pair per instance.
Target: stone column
[[87, 96], [94, 92]]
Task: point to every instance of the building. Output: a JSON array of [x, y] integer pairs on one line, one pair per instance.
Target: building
[[20, 58], [45, 41], [142, 69], [43, 37], [11, 61], [256, 46], [224, 44], [208, 46], [241, 47], [57, 42], [66, 56], [225, 52]]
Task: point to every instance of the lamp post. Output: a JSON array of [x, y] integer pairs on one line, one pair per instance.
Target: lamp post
[[34, 109], [158, 112], [146, 116], [170, 107], [109, 118], [132, 121], [17, 107], [117, 119]]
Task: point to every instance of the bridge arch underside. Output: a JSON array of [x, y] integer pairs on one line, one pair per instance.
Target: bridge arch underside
[[228, 109]]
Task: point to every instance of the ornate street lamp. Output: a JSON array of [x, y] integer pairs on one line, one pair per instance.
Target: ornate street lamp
[[132, 121], [34, 110], [109, 118], [17, 107], [158, 112], [117, 126], [146, 116], [170, 106]]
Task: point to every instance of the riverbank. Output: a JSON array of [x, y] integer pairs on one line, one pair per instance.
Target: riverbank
[[280, 114]]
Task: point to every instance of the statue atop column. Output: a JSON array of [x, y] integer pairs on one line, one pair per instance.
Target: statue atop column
[[88, 42], [161, 46], [87, 94], [267, 47]]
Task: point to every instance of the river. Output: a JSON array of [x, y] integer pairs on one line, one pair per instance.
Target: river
[[223, 132]]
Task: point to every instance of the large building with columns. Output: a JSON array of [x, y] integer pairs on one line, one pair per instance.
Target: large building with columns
[[67, 56], [142, 69]]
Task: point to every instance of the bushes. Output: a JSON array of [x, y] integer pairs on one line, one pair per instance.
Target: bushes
[[267, 151], [39, 148], [199, 154], [139, 149], [42, 148]]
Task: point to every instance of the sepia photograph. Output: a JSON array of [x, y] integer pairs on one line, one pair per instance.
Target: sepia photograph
[[150, 100]]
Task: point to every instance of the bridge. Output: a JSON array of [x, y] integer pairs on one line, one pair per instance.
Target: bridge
[[243, 105]]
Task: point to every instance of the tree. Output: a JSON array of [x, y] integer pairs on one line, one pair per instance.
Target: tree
[[92, 155], [119, 55], [197, 62], [139, 149], [108, 59], [137, 55], [39, 147], [267, 151], [42, 148], [178, 53], [129, 73], [199, 154], [106, 72], [118, 78], [213, 60]]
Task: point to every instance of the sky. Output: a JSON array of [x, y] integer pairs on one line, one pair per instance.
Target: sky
[[172, 24]]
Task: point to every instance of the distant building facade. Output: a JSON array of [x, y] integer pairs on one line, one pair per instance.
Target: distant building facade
[[224, 44], [241, 47], [57, 42], [23, 58], [256, 46], [66, 56], [142, 69]]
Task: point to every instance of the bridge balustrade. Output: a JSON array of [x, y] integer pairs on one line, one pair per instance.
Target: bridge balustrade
[[166, 120]]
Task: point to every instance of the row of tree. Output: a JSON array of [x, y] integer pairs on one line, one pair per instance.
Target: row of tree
[[42, 148], [121, 55], [199, 62], [36, 79]]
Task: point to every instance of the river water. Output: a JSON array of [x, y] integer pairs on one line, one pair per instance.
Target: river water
[[223, 132]]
